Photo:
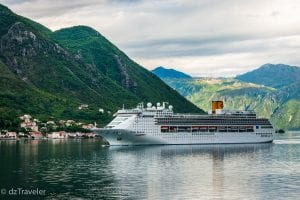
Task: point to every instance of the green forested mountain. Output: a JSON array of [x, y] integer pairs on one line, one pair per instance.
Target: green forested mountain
[[100, 55], [281, 105], [46, 74]]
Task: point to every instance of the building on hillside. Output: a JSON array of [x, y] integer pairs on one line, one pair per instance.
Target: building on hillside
[[70, 122], [101, 110], [57, 135], [12, 135], [50, 123], [79, 123], [28, 124], [36, 135], [83, 106], [31, 126], [62, 122], [8, 135], [25, 118], [89, 135], [88, 126], [71, 135]]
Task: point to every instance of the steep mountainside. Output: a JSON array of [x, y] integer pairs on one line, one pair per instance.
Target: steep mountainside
[[281, 105], [272, 75], [162, 72], [28, 52], [43, 75], [90, 47]]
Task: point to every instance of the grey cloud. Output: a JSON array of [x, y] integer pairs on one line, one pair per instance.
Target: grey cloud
[[124, 1], [208, 33], [48, 8], [183, 41], [16, 1], [275, 13], [181, 47]]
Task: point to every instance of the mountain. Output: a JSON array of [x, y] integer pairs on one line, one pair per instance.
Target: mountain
[[272, 75], [162, 72], [49, 74], [90, 47], [281, 104]]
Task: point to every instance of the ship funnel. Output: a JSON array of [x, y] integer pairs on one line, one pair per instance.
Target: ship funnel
[[216, 105]]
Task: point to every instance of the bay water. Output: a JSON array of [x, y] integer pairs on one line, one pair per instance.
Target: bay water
[[83, 169]]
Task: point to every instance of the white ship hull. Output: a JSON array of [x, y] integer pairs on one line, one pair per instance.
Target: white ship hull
[[159, 125], [127, 137]]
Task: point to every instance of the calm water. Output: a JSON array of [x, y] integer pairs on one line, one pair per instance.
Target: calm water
[[83, 169]]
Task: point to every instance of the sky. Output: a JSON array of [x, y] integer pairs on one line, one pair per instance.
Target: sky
[[216, 38]]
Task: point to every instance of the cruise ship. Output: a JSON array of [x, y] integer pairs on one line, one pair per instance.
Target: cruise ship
[[158, 124]]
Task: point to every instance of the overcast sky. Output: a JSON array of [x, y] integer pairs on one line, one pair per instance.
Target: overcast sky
[[199, 37]]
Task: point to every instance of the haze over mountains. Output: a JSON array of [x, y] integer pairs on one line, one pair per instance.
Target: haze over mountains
[[273, 91], [49, 74]]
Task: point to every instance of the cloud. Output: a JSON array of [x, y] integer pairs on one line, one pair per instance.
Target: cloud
[[205, 37]]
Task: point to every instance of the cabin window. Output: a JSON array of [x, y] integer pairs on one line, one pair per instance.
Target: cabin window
[[203, 129], [222, 129], [242, 129], [164, 129], [173, 129], [212, 128], [184, 129], [195, 129]]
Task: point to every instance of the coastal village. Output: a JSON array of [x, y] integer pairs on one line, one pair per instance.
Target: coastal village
[[32, 128]]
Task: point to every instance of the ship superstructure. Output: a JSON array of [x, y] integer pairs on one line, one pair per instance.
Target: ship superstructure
[[159, 125]]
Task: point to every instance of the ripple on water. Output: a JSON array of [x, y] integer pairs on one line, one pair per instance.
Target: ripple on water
[[287, 141], [84, 170]]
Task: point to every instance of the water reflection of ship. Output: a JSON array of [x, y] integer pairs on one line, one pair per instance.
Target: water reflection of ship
[[195, 170], [218, 172], [216, 150]]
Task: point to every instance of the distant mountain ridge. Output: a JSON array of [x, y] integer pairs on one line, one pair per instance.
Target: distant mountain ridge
[[162, 72], [272, 75], [49, 74], [277, 99]]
